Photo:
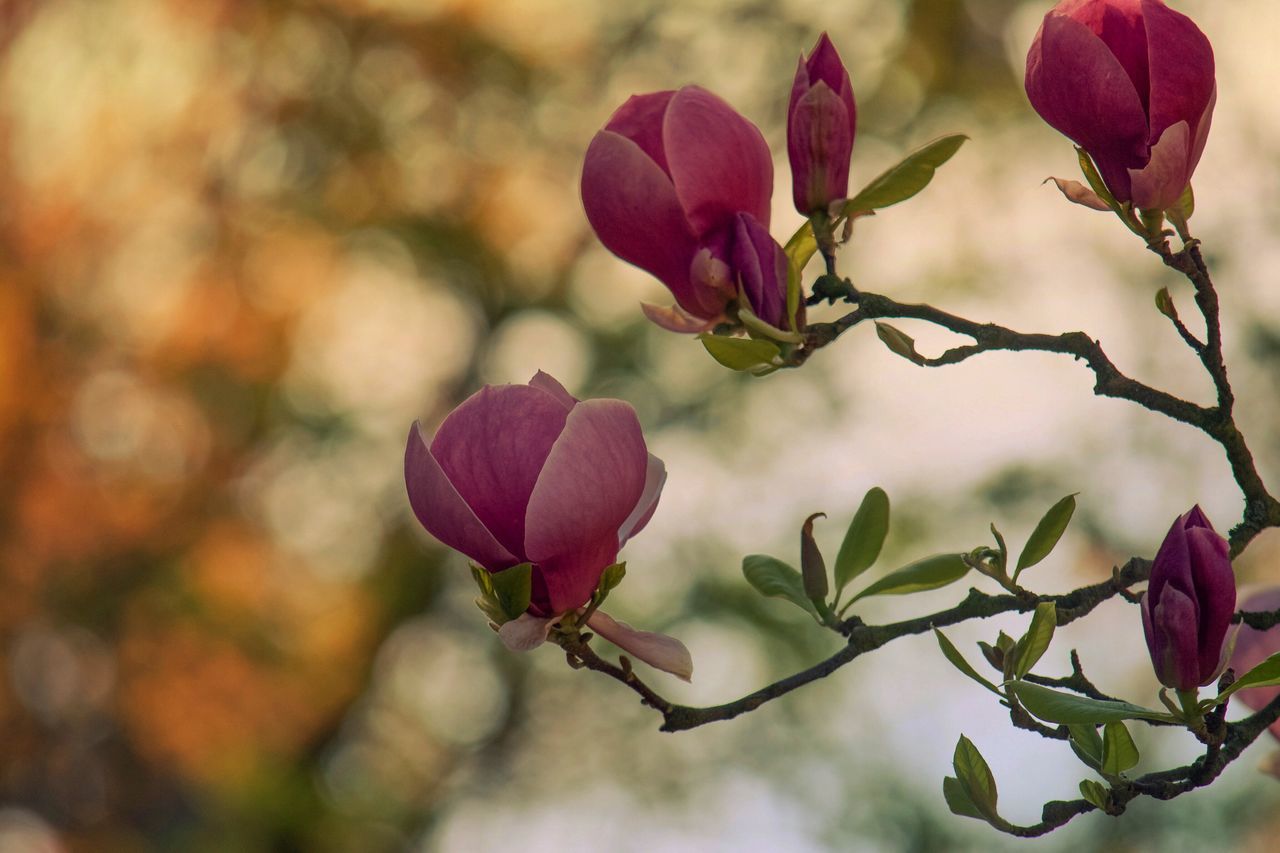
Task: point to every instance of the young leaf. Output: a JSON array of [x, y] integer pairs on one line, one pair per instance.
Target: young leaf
[[776, 579], [910, 176], [1054, 706], [1265, 674], [740, 353], [513, 588], [957, 660], [1036, 641], [1094, 178], [1046, 535], [958, 799], [929, 573], [865, 538], [813, 569], [1087, 744], [974, 774], [1095, 793], [1119, 752], [1004, 549]]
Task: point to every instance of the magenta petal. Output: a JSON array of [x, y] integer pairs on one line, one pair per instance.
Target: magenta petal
[[719, 161], [819, 144], [658, 650], [655, 478], [640, 120], [1079, 87], [1174, 621], [1215, 584], [825, 66], [1119, 24], [1160, 184], [548, 383], [1182, 68], [492, 448], [761, 265], [1201, 135], [591, 482], [632, 205], [443, 512]]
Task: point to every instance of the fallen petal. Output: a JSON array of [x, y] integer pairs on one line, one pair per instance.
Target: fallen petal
[[658, 650]]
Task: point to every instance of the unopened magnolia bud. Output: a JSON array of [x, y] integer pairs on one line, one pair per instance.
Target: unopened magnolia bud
[[1164, 304], [813, 568]]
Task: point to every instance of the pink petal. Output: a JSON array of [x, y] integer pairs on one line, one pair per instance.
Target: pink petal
[[443, 512], [1119, 24], [1079, 87], [824, 65], [1181, 62], [1160, 184], [761, 265], [526, 633], [654, 479], [640, 120], [658, 650], [1175, 622], [548, 383], [712, 277], [1202, 135], [1215, 584], [676, 319], [719, 161], [592, 480], [492, 448], [1078, 193], [632, 205]]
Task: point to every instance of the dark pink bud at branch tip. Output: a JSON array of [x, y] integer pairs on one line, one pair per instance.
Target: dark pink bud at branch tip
[[821, 123]]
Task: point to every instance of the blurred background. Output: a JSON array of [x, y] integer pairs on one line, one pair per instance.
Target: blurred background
[[244, 244]]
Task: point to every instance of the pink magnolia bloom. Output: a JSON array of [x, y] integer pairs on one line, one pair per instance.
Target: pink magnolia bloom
[[1132, 83], [529, 474], [1189, 603], [1253, 647], [664, 185], [821, 122]]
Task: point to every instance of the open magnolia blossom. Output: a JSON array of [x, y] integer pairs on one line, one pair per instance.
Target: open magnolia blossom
[[1132, 83], [530, 474]]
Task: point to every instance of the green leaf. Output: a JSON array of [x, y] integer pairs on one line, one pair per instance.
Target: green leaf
[[929, 573], [1004, 549], [910, 176], [1046, 535], [1054, 706], [802, 246], [774, 578], [865, 537], [512, 588], [1095, 793], [1187, 203], [813, 569], [1265, 674], [974, 774], [957, 660], [740, 353], [1036, 641], [898, 342], [1087, 744], [1094, 178], [958, 799], [1119, 752], [609, 579], [759, 329]]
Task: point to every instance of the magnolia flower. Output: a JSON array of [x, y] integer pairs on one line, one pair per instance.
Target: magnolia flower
[[821, 122], [664, 185], [1189, 603], [529, 474], [1132, 83]]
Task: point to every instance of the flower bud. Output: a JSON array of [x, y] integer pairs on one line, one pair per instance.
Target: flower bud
[[761, 267], [1253, 647], [821, 122], [1189, 603], [662, 185], [1132, 83]]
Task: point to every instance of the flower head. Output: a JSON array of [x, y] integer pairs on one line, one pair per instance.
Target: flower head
[[1132, 83], [1189, 602], [821, 122]]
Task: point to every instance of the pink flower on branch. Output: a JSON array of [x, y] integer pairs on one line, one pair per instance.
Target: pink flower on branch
[[529, 474], [1132, 83]]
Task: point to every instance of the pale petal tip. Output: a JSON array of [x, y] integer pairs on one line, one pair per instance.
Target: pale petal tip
[[526, 633], [676, 319], [658, 650]]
